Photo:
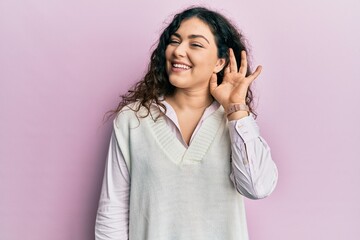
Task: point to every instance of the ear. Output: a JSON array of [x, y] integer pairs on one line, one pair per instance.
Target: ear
[[219, 65]]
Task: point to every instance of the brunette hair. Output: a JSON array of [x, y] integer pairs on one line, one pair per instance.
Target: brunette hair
[[155, 83]]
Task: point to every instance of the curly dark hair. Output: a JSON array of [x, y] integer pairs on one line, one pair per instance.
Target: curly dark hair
[[155, 83]]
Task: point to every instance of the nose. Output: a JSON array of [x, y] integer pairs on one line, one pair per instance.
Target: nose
[[180, 50]]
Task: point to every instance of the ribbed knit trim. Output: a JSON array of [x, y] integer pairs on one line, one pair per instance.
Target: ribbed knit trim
[[200, 144]]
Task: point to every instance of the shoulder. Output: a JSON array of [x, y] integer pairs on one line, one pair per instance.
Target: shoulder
[[126, 116], [131, 115]]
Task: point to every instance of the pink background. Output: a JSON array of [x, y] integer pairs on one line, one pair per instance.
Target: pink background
[[63, 64]]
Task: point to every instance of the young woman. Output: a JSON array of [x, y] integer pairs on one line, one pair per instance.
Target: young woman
[[185, 147]]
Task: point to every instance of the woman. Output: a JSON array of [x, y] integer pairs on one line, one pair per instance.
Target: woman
[[185, 147]]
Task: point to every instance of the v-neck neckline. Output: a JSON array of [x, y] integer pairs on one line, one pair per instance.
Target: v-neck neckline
[[200, 144], [172, 117]]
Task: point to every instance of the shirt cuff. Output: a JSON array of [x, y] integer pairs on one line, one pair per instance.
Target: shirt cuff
[[246, 127]]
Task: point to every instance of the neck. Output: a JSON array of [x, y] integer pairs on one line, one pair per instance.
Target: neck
[[183, 99]]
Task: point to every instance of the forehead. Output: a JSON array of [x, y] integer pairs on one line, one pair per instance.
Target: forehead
[[195, 26]]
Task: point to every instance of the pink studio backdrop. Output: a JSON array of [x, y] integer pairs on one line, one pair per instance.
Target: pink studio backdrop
[[64, 63]]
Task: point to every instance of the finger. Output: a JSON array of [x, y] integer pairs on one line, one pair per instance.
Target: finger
[[213, 82], [233, 64], [227, 69], [243, 65], [255, 74]]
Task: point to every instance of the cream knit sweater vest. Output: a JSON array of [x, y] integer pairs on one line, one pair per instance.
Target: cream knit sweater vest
[[180, 193]]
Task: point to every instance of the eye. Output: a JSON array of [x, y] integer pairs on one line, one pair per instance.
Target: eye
[[173, 41], [196, 45]]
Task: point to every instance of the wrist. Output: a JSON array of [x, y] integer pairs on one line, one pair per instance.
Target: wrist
[[237, 115], [236, 111], [236, 107]]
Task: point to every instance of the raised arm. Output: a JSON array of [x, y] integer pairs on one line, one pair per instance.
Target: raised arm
[[253, 172]]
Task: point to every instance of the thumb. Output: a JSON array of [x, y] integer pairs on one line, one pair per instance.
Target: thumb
[[213, 82]]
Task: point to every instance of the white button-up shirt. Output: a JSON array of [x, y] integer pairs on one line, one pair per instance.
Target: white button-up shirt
[[253, 172]]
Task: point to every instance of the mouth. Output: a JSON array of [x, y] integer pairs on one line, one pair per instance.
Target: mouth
[[179, 67]]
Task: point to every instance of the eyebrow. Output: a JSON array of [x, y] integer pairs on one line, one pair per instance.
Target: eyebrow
[[192, 36]]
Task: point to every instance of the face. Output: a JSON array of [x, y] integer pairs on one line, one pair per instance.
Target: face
[[191, 56]]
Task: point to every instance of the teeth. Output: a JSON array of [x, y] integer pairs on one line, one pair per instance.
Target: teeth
[[181, 66]]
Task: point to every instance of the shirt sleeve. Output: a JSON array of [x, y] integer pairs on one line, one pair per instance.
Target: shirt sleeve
[[253, 172], [112, 220]]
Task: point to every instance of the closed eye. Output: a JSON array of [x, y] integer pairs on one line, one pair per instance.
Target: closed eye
[[196, 45], [174, 42]]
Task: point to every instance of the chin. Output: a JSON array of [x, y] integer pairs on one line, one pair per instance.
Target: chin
[[176, 82]]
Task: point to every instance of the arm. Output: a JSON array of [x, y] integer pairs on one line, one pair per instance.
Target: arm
[[253, 172], [113, 212]]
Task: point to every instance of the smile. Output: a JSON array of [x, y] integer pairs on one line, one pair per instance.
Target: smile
[[181, 66]]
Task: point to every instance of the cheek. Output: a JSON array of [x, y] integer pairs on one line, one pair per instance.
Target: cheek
[[167, 55], [209, 65], [209, 60], [203, 71], [167, 58], [167, 50]]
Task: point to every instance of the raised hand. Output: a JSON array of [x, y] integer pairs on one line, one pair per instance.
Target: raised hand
[[234, 86]]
